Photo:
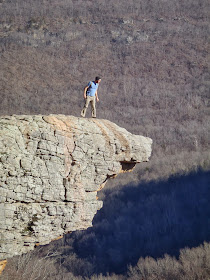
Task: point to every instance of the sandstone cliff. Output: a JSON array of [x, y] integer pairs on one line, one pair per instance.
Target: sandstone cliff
[[51, 168]]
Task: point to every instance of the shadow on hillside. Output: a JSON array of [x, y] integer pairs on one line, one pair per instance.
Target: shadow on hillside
[[150, 219]]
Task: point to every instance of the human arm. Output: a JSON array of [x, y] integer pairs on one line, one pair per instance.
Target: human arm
[[85, 92], [96, 94]]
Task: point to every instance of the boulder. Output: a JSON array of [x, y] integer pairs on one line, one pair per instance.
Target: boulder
[[51, 168]]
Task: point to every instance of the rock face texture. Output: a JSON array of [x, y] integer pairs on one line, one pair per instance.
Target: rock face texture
[[51, 168]]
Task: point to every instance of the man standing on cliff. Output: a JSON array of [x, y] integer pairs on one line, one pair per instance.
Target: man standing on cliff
[[90, 96]]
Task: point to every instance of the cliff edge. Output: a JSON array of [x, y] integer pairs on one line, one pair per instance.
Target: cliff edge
[[51, 168]]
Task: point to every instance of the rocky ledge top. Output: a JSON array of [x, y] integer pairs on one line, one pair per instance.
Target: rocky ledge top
[[51, 168]]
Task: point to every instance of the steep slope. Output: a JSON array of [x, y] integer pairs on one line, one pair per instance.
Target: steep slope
[[51, 168]]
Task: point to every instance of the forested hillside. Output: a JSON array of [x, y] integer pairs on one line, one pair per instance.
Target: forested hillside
[[152, 57]]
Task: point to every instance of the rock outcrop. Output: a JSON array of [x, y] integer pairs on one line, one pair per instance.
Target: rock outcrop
[[51, 168]]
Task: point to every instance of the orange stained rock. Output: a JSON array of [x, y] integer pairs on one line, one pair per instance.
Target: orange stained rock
[[57, 238], [2, 265]]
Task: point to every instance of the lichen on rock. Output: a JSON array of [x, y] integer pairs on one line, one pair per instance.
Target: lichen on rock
[[51, 168]]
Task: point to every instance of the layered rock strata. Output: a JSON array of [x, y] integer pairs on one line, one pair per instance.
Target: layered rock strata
[[51, 168]]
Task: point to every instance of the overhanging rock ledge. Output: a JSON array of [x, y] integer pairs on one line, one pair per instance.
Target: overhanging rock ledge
[[51, 168]]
